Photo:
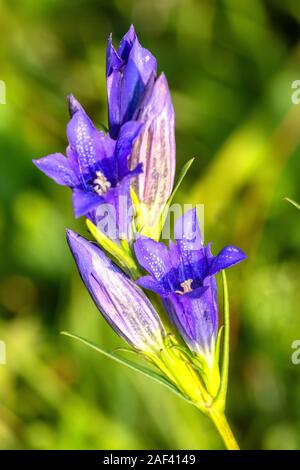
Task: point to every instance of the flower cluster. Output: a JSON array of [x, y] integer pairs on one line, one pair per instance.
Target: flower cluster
[[120, 176]]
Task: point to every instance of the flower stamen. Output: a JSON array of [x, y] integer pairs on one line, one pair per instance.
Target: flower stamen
[[101, 184], [186, 286]]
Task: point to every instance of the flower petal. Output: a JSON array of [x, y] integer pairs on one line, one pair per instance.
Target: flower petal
[[86, 141], [155, 147], [113, 87], [195, 317], [85, 201], [128, 134], [187, 232], [153, 257], [73, 161], [140, 67], [113, 60], [128, 71], [126, 43], [122, 303], [189, 240], [57, 167], [118, 202], [147, 282], [227, 257]]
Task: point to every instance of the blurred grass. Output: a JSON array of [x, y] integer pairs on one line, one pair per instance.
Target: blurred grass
[[230, 66]]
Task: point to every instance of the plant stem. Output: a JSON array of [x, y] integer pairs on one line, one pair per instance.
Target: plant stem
[[224, 430]]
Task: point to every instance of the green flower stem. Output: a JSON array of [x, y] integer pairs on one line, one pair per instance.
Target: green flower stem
[[224, 429]]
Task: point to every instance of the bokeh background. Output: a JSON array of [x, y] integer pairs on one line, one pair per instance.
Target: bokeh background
[[230, 66]]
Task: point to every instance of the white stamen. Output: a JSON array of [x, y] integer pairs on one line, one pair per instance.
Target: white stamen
[[101, 184], [186, 286]]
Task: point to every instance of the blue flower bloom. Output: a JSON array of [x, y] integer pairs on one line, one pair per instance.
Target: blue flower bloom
[[96, 166], [122, 303], [129, 70], [184, 276]]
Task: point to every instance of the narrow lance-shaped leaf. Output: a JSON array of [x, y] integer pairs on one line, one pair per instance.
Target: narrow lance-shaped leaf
[[164, 212], [294, 203], [130, 364]]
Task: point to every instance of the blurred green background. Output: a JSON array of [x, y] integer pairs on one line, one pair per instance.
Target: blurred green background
[[230, 66]]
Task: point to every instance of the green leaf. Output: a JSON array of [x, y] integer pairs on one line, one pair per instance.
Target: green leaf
[[220, 399], [159, 226], [131, 365], [294, 203], [183, 172]]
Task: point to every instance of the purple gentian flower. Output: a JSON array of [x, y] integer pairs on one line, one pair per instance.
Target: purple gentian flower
[[122, 303], [129, 70], [96, 166], [155, 148], [184, 276]]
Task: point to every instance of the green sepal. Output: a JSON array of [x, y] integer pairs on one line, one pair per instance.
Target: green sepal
[[218, 345], [215, 383], [220, 400], [183, 349], [138, 206], [120, 253], [209, 374]]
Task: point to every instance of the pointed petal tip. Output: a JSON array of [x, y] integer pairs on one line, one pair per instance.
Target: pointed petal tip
[[163, 79], [131, 30], [82, 249], [69, 232], [109, 46], [73, 105], [131, 34], [57, 167], [242, 255], [38, 162], [72, 237]]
